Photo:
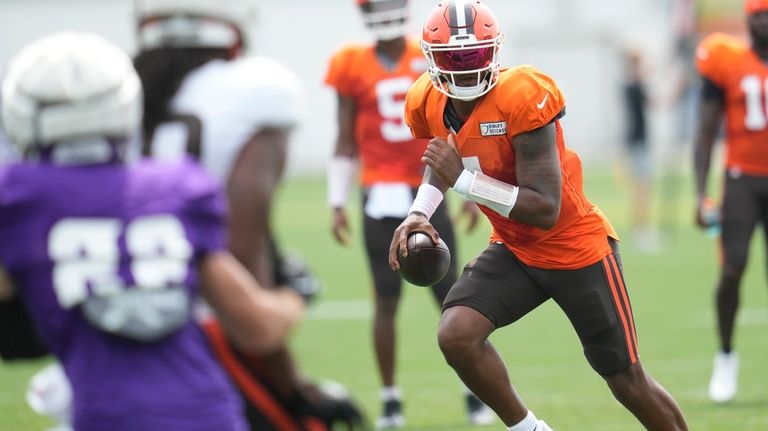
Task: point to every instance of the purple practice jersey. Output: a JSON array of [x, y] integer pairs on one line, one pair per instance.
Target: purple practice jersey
[[105, 259]]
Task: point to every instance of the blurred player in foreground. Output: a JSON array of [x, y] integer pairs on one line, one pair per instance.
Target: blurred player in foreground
[[108, 257], [235, 113], [735, 85], [496, 139], [371, 81]]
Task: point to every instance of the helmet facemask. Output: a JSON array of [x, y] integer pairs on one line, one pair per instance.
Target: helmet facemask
[[465, 69], [188, 31], [386, 19], [224, 24], [757, 24]]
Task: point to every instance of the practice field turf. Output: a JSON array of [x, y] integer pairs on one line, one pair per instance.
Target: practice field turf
[[671, 293]]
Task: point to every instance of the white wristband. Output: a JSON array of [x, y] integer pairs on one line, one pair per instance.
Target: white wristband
[[487, 191], [464, 182], [341, 172], [427, 200]]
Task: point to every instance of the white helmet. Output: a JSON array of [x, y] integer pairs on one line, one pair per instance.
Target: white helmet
[[194, 23], [387, 19], [69, 86]]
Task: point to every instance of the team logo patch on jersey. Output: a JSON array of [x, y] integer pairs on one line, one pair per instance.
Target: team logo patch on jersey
[[493, 129]]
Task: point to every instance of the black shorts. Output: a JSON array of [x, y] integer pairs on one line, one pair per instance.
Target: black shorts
[[745, 203], [504, 289], [378, 237]]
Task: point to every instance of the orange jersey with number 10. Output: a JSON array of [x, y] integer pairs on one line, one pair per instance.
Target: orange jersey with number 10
[[735, 68], [387, 151], [524, 99]]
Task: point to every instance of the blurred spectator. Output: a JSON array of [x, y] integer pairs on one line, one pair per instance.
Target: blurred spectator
[[638, 153], [681, 95]]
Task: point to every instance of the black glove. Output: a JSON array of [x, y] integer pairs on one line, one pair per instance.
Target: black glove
[[331, 403]]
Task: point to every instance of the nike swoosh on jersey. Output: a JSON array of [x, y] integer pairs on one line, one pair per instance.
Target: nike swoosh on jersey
[[540, 105]]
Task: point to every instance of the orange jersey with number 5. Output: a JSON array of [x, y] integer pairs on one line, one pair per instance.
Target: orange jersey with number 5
[[523, 100], [387, 151], [736, 69]]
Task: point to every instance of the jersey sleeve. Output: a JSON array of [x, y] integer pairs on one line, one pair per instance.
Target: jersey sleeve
[[532, 100], [204, 211], [713, 57], [338, 74], [268, 94], [415, 108]]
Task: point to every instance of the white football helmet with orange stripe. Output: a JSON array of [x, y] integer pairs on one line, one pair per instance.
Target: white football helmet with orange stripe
[[461, 40]]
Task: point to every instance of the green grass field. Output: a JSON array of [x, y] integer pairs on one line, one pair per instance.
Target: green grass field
[[671, 293]]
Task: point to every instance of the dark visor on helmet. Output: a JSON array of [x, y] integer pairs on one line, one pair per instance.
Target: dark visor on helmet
[[464, 59]]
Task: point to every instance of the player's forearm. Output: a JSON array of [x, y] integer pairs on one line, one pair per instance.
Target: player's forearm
[[522, 203], [704, 142], [432, 179], [341, 174], [701, 164], [536, 209], [429, 196], [257, 320]]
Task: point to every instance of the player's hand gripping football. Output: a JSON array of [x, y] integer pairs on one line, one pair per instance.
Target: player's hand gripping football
[[415, 222], [441, 155]]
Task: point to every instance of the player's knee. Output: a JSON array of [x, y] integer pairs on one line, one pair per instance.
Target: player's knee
[[459, 341], [386, 306], [732, 273], [628, 384], [456, 349]]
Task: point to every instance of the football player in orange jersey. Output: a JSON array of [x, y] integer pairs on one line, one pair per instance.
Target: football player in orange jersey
[[371, 81], [735, 88], [496, 139]]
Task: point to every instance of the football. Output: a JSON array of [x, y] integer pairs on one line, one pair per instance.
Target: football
[[426, 263]]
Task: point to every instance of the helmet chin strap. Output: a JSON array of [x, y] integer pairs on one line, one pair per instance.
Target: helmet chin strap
[[467, 93]]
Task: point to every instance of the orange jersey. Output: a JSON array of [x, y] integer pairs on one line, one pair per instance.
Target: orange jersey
[[388, 153], [524, 99], [735, 68]]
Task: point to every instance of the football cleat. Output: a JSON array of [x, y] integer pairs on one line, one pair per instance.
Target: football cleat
[[391, 416], [724, 382], [477, 412]]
